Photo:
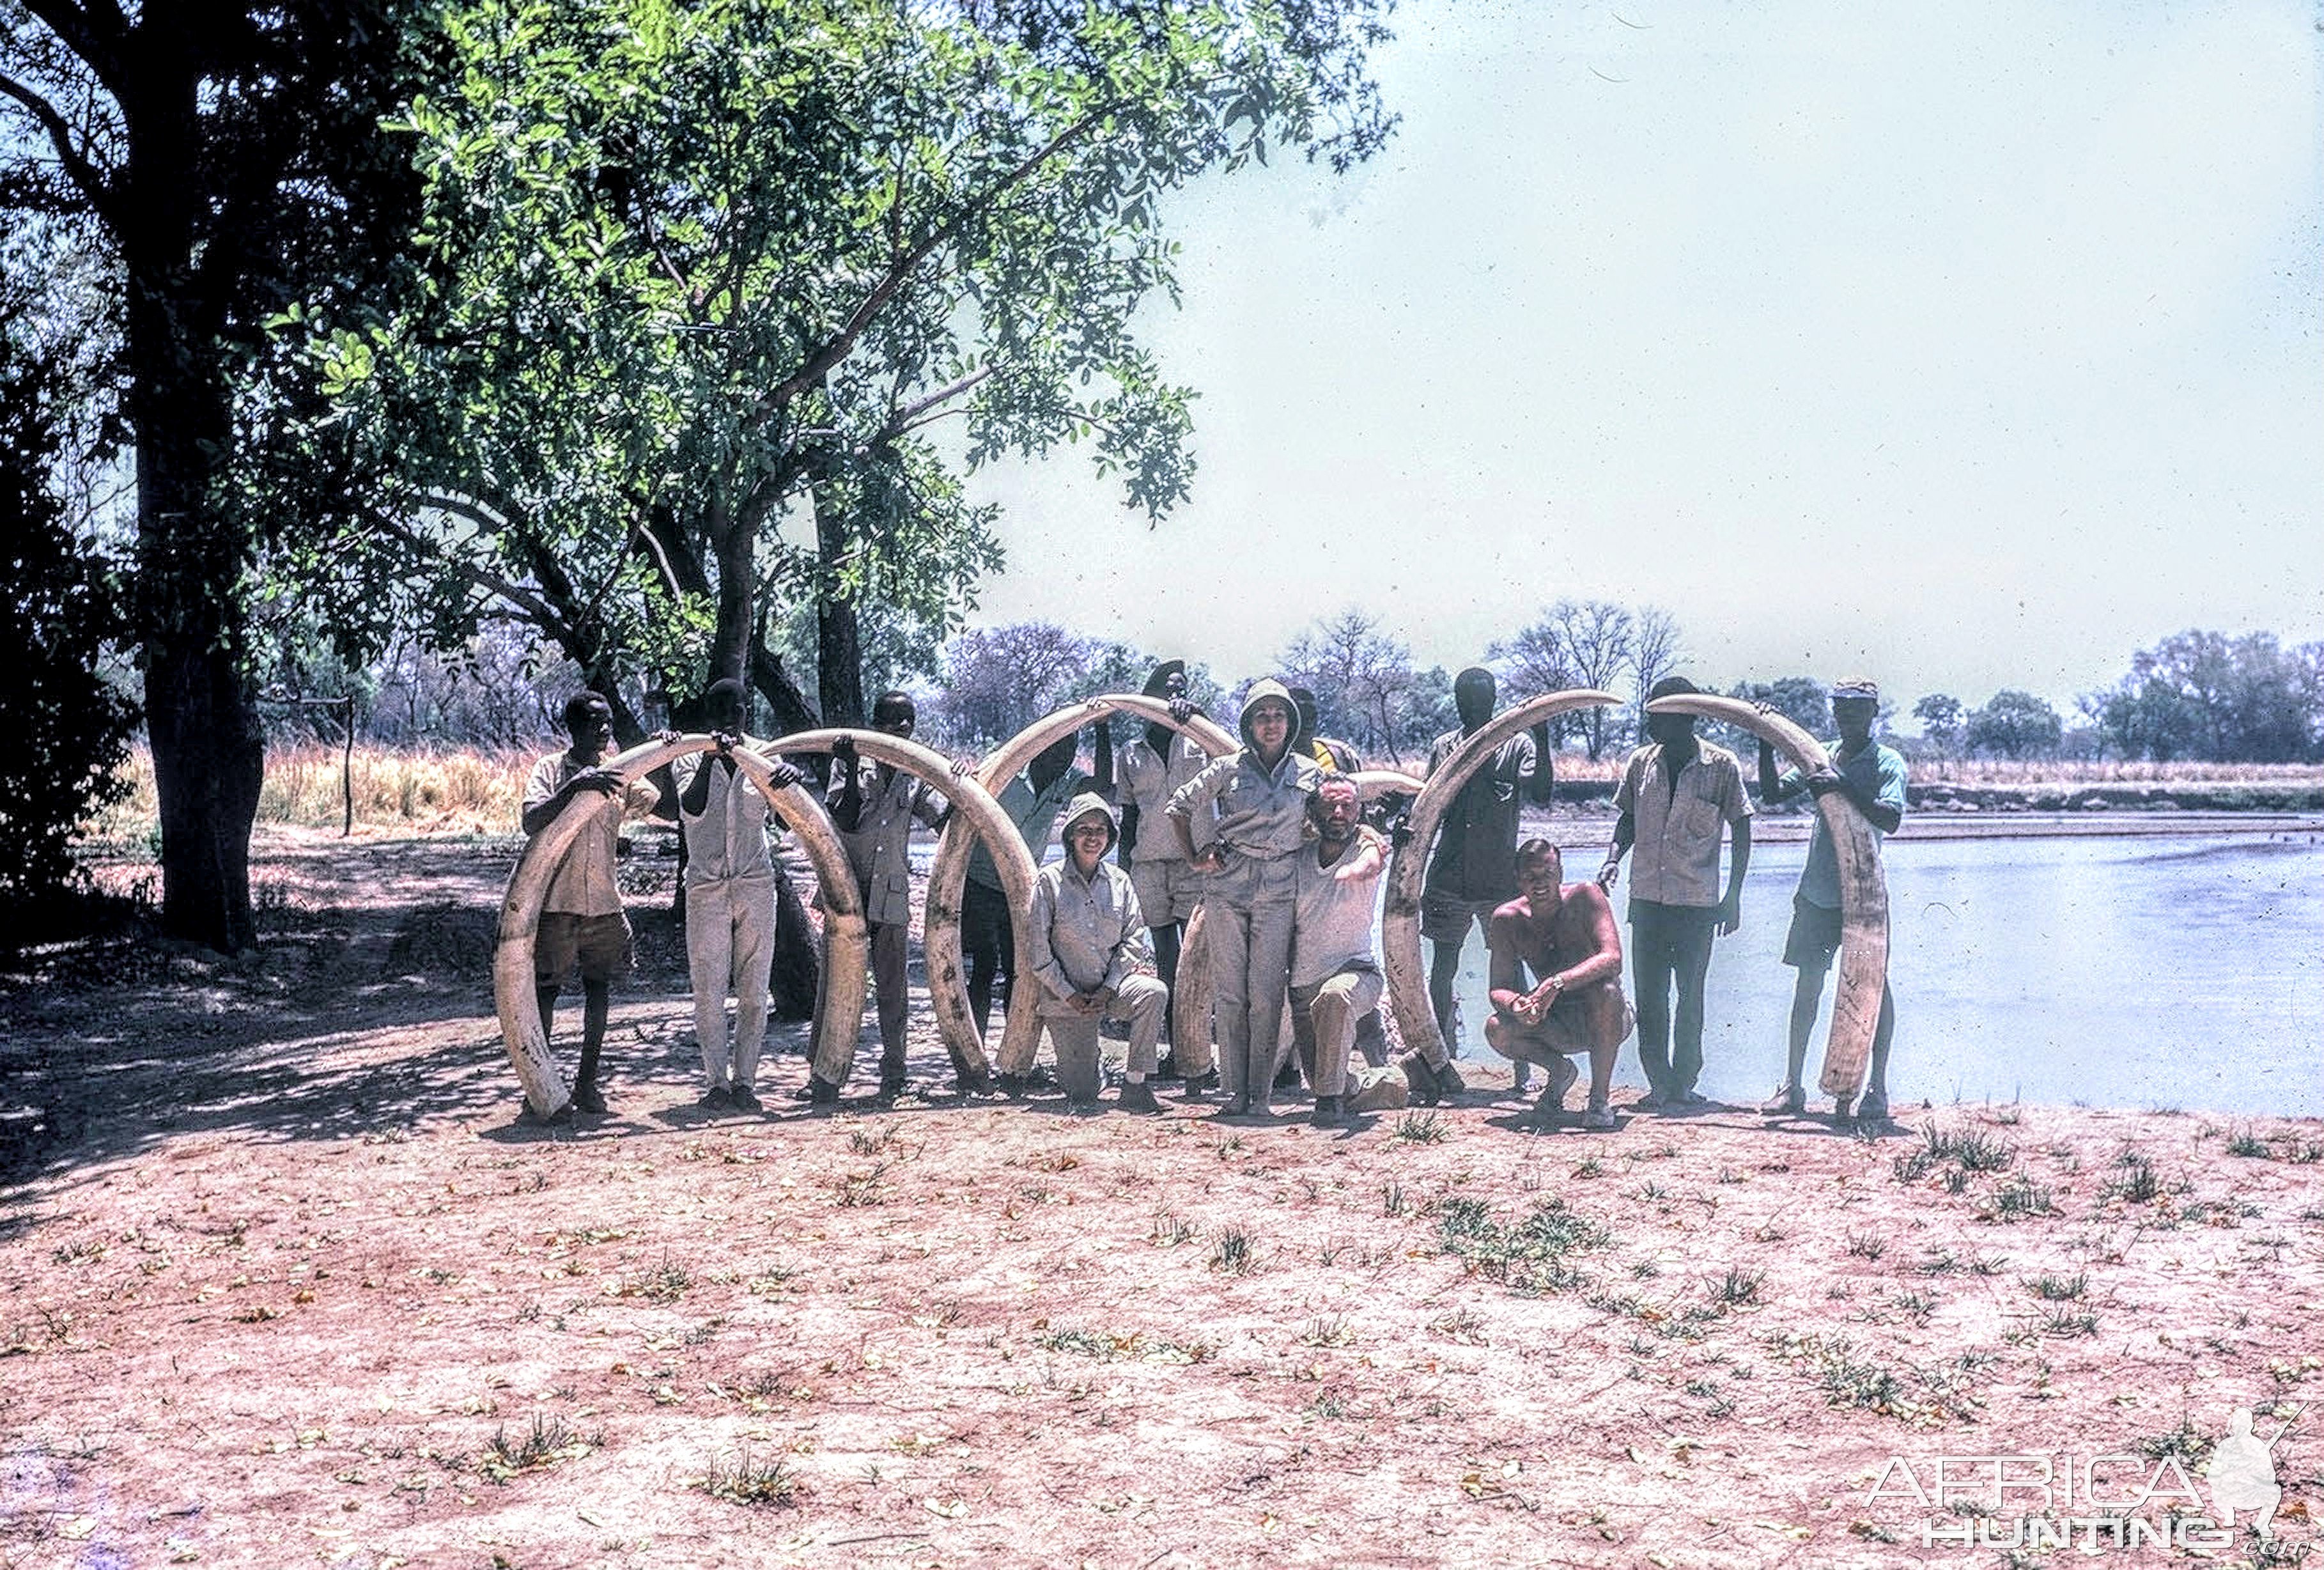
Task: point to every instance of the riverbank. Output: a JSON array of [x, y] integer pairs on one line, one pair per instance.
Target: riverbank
[[287, 1276]]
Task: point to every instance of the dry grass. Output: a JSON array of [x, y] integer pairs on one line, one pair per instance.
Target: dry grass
[[454, 792], [2003, 771]]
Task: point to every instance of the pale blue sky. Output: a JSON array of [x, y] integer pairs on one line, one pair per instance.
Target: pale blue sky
[[1973, 344]]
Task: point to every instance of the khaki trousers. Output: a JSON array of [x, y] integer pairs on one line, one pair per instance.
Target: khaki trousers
[[1324, 1018], [1250, 967], [1073, 1038], [730, 939]]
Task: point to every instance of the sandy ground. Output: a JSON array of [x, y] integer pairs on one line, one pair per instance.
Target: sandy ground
[[284, 1279]]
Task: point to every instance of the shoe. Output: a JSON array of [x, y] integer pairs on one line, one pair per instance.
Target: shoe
[[1081, 1109], [1137, 1096], [1562, 1074], [1328, 1113], [1260, 1107], [891, 1089], [1654, 1100], [1449, 1083], [1598, 1116], [968, 1084], [1236, 1106], [1691, 1097], [1523, 1078], [587, 1098], [1872, 1112], [1201, 1087], [713, 1098], [1420, 1079], [1790, 1102], [744, 1099], [1012, 1085], [822, 1091], [1166, 1070]]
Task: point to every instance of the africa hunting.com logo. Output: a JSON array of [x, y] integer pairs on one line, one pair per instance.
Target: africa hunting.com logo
[[2063, 1500]]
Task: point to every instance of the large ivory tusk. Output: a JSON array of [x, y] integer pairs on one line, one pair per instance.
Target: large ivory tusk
[[948, 875], [844, 941], [1373, 783], [970, 801], [1408, 978], [1863, 890]]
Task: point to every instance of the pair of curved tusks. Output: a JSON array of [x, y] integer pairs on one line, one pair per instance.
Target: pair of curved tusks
[[974, 805], [1863, 890], [948, 874], [846, 946]]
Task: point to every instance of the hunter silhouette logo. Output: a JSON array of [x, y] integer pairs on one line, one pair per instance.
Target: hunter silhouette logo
[[2242, 1474]]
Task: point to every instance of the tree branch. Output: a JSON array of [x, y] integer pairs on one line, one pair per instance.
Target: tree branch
[[86, 175], [842, 344]]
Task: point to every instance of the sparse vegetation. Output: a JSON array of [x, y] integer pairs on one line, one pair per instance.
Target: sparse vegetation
[[1528, 1257], [744, 1479], [1422, 1128], [1234, 1252]]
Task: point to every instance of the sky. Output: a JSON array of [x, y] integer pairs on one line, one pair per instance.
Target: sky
[[1969, 345]]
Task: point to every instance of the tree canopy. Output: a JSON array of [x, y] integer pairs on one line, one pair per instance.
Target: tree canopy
[[712, 305]]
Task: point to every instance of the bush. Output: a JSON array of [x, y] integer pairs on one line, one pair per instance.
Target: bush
[[68, 727]]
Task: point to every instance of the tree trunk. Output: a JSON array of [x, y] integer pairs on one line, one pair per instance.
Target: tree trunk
[[209, 756], [838, 639]]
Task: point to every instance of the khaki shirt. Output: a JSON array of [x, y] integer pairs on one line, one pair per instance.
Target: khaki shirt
[[584, 885], [1262, 816], [728, 839], [1476, 853], [879, 851], [1332, 918], [1148, 781], [1674, 859], [1087, 933]]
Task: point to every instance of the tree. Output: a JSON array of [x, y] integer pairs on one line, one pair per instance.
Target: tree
[[2209, 695], [68, 727], [1581, 643], [696, 282], [223, 158], [1655, 650], [2015, 724], [1940, 714], [1365, 687]]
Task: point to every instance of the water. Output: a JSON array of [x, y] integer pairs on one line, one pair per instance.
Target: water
[[2115, 972]]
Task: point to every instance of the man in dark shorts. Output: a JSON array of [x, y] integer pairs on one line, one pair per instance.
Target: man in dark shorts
[[1872, 778], [1563, 935], [1472, 870], [582, 925]]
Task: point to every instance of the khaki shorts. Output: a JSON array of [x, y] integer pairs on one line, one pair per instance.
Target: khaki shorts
[[599, 945], [1814, 936], [1168, 891], [1445, 920], [1558, 1035]]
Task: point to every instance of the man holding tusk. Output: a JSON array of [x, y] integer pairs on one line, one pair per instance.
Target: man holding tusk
[[873, 806], [1336, 976], [1090, 961], [1472, 869], [1677, 794], [1151, 770], [1257, 800], [1564, 934], [1872, 778], [582, 925], [730, 899]]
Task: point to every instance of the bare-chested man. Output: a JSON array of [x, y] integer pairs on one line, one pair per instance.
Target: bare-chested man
[[1565, 935]]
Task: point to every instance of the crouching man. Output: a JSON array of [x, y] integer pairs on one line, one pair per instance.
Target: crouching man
[[1564, 934], [1090, 956], [1335, 978]]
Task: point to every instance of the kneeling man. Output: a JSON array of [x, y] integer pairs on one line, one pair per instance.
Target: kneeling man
[[1335, 980], [1565, 935], [1090, 956]]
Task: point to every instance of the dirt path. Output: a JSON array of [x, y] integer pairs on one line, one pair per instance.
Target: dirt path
[[284, 1279]]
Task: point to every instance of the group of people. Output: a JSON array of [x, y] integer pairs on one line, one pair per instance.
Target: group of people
[[1269, 842]]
